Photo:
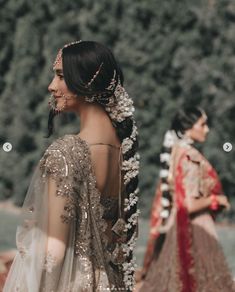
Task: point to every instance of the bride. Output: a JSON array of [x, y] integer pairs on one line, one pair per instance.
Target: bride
[[79, 218]]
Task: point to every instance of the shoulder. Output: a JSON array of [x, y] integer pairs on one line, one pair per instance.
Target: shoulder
[[64, 144], [188, 153], [64, 155], [68, 145], [194, 155]]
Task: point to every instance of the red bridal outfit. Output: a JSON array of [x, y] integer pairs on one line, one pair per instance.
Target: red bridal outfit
[[184, 255]]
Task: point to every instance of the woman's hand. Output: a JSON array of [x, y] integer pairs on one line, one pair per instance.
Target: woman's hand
[[223, 202], [139, 275]]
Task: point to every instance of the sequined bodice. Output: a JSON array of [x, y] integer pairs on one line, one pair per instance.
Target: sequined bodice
[[73, 158], [66, 239]]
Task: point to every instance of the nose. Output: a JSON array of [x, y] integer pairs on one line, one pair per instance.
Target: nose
[[52, 86], [207, 130]]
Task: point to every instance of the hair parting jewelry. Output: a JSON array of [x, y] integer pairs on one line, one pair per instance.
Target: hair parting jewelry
[[58, 58], [94, 76]]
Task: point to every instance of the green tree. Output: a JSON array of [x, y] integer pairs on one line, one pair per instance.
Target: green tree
[[172, 53]]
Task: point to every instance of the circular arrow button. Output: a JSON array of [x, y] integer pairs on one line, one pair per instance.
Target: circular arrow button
[[7, 147], [227, 147]]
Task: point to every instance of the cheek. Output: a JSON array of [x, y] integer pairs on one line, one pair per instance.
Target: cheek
[[201, 134], [71, 103], [197, 134], [63, 88]]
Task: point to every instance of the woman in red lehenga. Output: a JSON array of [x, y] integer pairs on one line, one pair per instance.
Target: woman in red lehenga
[[183, 253]]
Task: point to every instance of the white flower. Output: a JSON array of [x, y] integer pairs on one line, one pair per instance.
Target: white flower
[[164, 213], [164, 187], [131, 167], [133, 199], [165, 202], [127, 145], [164, 173], [165, 157], [169, 139], [124, 107]]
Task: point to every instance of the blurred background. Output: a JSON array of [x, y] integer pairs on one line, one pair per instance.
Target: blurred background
[[173, 53]]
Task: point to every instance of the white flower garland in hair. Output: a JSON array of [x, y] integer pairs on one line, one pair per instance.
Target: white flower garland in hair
[[127, 143], [133, 199], [133, 220], [164, 187], [165, 157], [131, 167], [164, 173], [124, 106], [129, 269], [130, 245], [170, 139], [118, 112]]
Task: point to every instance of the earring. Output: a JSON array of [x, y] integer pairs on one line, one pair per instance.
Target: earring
[[53, 104]]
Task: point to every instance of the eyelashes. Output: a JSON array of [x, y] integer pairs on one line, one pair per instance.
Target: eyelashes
[[61, 77]]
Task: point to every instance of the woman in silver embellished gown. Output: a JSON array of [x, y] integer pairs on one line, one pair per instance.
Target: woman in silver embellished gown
[[79, 219]]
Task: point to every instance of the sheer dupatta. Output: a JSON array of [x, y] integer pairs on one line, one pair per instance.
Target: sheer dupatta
[[62, 238]]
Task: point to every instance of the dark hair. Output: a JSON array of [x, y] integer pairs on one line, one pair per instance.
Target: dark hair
[[185, 118], [80, 64]]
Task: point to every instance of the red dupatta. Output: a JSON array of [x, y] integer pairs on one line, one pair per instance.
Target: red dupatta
[[184, 238]]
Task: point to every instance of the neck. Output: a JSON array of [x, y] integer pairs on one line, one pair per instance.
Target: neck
[[92, 116]]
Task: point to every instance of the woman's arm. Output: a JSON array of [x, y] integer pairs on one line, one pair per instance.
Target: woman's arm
[[199, 204], [191, 180], [57, 229], [194, 205]]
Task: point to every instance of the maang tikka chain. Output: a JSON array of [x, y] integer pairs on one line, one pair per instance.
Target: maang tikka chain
[[58, 58]]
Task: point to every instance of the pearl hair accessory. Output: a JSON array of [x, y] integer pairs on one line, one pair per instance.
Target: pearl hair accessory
[[94, 76]]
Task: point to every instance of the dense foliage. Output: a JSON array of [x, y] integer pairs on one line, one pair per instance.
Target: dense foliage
[[172, 53]]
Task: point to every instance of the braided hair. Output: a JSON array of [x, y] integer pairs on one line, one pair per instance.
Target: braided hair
[[183, 120], [91, 71]]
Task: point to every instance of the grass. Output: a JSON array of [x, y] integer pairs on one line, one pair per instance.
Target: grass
[[8, 224]]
